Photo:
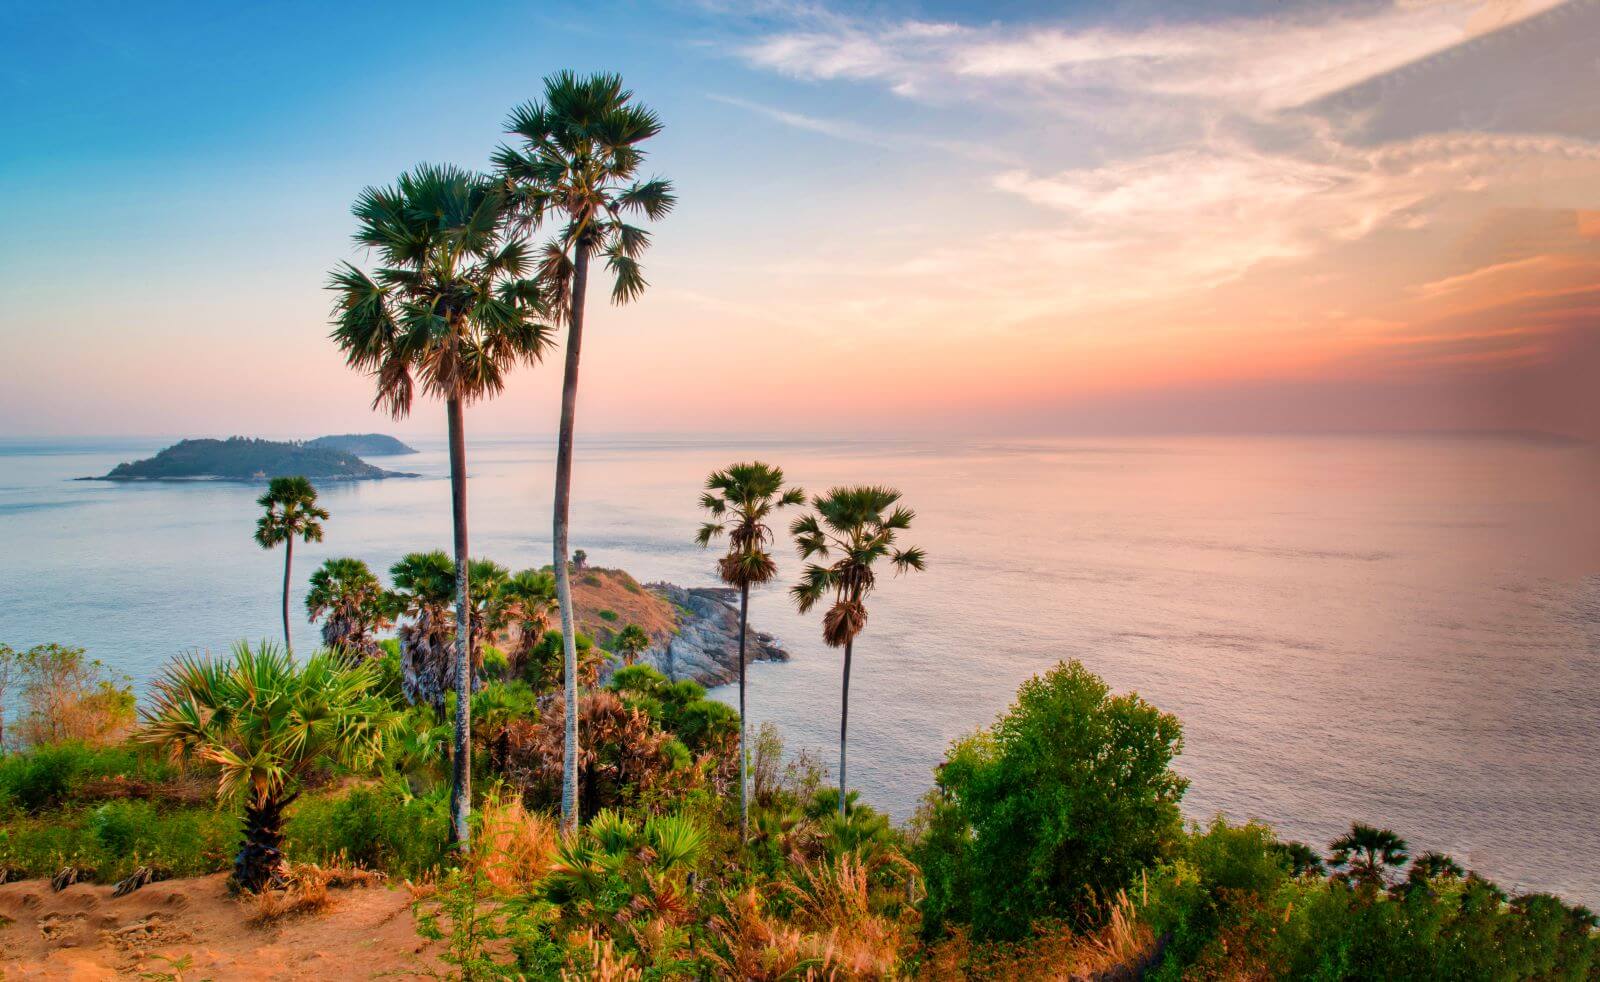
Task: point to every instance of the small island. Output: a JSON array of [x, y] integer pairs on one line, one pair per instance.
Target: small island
[[362, 444], [246, 459]]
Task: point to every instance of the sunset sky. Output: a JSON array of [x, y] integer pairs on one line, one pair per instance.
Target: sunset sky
[[1019, 218]]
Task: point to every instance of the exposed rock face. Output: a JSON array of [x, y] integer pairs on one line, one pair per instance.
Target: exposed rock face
[[706, 647]]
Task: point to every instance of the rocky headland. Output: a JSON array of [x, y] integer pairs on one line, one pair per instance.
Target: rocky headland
[[694, 631]]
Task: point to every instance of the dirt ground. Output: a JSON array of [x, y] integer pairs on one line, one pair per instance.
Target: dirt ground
[[193, 929]]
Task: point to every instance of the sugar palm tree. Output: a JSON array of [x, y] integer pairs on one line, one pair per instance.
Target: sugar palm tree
[[351, 604], [265, 722], [1365, 855], [455, 306], [488, 612], [851, 528], [577, 162], [424, 583], [291, 510], [526, 602], [631, 642], [740, 500]]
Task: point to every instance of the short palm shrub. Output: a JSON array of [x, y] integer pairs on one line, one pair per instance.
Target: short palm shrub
[[266, 723]]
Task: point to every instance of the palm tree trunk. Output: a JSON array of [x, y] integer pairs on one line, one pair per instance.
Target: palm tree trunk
[[744, 763], [259, 863], [288, 558], [844, 720], [461, 758], [563, 500]]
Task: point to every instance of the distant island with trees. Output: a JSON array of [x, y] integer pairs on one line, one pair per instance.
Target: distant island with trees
[[247, 459], [362, 444]]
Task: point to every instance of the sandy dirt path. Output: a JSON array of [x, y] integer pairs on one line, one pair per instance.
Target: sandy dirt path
[[82, 933]]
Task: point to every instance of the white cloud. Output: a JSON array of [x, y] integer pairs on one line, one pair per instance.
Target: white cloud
[[1200, 163]]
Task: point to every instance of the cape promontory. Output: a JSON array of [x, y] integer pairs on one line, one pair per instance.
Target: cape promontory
[[245, 459]]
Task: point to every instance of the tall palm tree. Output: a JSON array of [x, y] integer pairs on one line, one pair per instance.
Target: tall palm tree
[[854, 528], [291, 504], [424, 583], [354, 604], [740, 499], [577, 162], [454, 305], [266, 723], [630, 642], [526, 602], [1365, 855]]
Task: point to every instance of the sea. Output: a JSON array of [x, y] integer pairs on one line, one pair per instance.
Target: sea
[[1401, 630]]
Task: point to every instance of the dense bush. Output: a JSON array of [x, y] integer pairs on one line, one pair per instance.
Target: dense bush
[[1051, 811], [380, 827], [55, 773], [107, 842]]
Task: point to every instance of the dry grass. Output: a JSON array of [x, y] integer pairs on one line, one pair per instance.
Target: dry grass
[[602, 962], [516, 847], [307, 892], [1053, 954]]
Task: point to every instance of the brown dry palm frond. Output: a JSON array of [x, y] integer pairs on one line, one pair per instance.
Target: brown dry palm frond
[[843, 621]]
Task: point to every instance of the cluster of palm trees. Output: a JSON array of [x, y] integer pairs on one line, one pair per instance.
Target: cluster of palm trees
[[843, 537], [462, 296], [1368, 857]]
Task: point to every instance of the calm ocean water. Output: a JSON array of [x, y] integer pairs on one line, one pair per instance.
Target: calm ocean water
[[1400, 630]]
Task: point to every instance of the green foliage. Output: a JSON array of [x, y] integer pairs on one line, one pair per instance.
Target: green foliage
[[1053, 810], [608, 615], [379, 827], [681, 708], [110, 840], [1214, 874], [52, 774], [266, 721]]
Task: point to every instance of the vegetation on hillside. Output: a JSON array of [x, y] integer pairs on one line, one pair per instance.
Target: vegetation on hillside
[[246, 459]]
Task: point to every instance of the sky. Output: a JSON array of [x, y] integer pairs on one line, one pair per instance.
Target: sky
[[917, 218]]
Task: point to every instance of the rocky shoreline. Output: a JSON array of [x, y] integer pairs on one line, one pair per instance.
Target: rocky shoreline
[[705, 648]]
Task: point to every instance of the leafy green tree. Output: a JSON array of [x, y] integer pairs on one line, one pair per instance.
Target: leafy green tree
[[526, 601], [1053, 809], [265, 723], [1365, 855], [455, 306], [291, 510], [631, 641], [577, 162], [740, 500], [352, 605], [424, 583], [852, 529]]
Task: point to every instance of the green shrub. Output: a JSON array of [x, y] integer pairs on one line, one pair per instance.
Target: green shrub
[[54, 773], [380, 827], [1221, 874], [608, 615], [110, 841], [681, 708], [1063, 802]]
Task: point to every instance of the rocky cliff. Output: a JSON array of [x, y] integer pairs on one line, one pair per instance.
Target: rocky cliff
[[706, 645]]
